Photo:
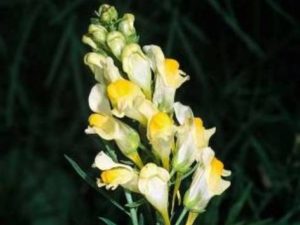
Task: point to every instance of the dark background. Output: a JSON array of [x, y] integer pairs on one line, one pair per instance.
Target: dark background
[[243, 59]]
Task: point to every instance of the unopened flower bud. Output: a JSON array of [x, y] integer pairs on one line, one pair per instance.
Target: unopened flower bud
[[116, 42], [86, 39], [107, 14], [126, 26], [98, 33]]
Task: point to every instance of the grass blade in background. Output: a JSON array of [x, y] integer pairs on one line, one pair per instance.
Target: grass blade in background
[[233, 24], [276, 7], [106, 221], [235, 210], [15, 67], [61, 48]]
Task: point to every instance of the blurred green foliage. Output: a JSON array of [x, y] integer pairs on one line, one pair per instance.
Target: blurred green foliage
[[243, 58]]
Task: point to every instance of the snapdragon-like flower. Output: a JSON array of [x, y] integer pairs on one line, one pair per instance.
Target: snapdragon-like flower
[[128, 100], [137, 67], [191, 136], [161, 136], [153, 184], [114, 174], [168, 77], [110, 128], [207, 182]]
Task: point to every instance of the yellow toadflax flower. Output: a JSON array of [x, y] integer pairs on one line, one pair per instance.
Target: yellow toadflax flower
[[137, 67], [109, 128], [191, 136], [114, 174], [153, 184], [160, 133], [168, 77], [128, 100], [207, 182]]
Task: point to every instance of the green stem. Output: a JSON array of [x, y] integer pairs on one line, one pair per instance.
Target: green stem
[[172, 173], [133, 211], [176, 189], [182, 215]]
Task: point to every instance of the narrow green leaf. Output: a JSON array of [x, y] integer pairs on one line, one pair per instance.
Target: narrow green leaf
[[262, 154], [61, 48], [136, 203], [15, 67], [195, 30], [171, 34], [77, 76], [66, 11], [141, 219], [193, 58], [286, 219], [91, 182], [107, 221]]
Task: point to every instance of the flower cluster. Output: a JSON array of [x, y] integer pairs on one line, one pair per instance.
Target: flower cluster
[[133, 104]]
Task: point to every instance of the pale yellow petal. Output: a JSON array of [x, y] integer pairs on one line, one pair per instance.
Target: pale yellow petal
[[207, 155], [226, 173], [116, 42], [183, 113], [137, 67], [96, 63], [98, 100], [105, 126], [111, 72], [153, 184], [223, 185], [208, 133], [185, 153], [163, 96], [156, 56], [104, 162]]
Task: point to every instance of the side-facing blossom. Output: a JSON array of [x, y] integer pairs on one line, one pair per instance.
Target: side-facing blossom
[[160, 133], [191, 136], [109, 128], [207, 182], [153, 184], [168, 77], [114, 174], [128, 100], [137, 67]]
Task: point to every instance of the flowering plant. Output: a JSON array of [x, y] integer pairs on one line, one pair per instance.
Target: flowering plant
[[159, 142]]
